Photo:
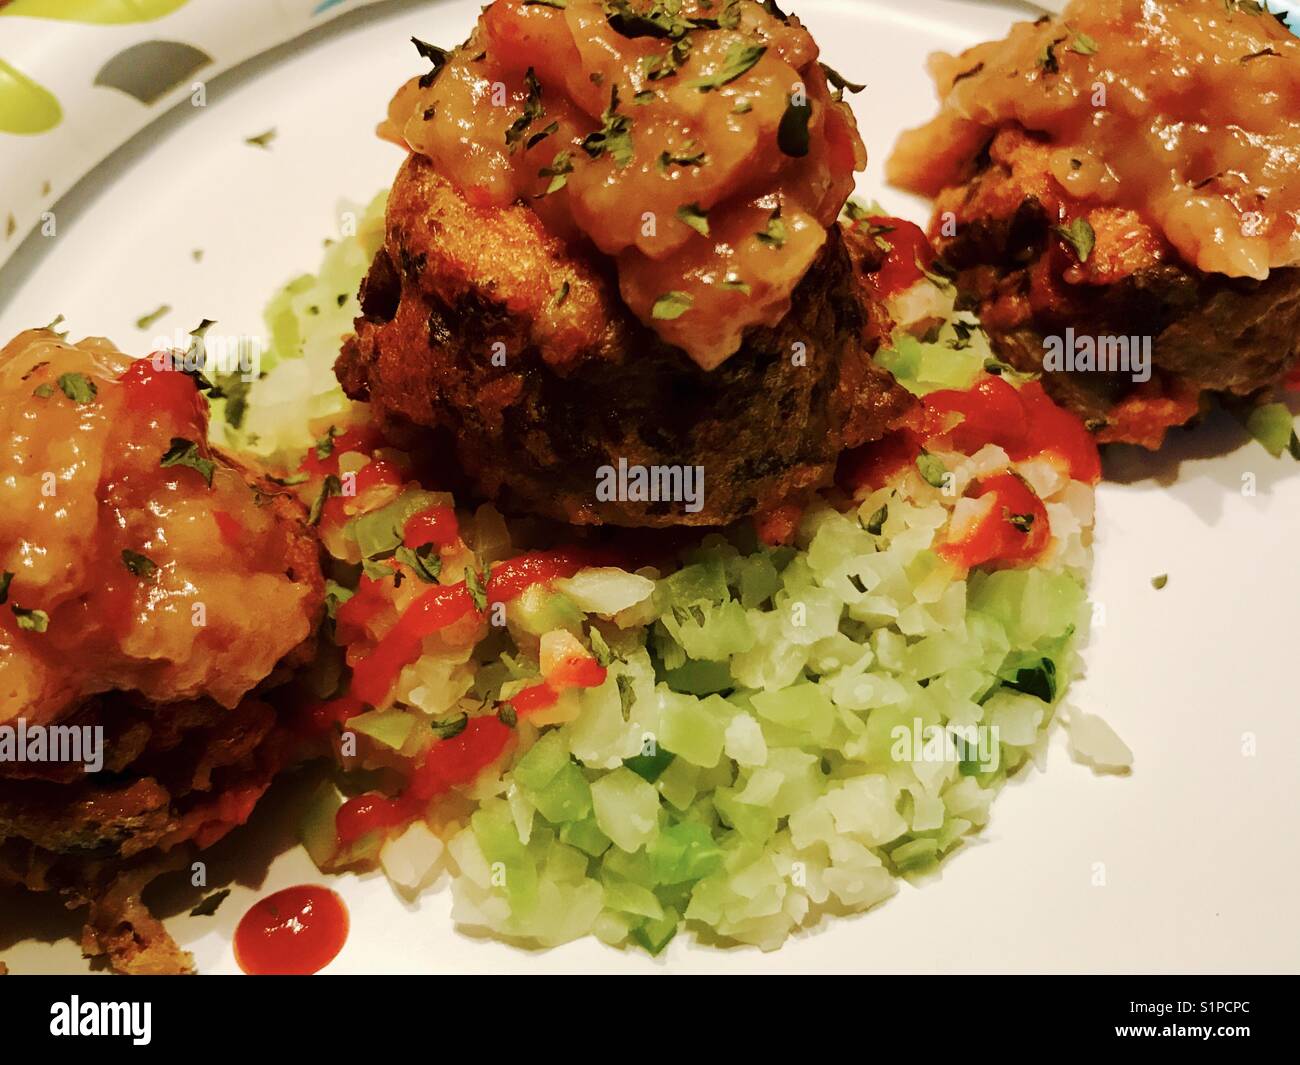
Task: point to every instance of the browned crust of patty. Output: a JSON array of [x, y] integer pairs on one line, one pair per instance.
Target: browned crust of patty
[[1210, 333], [584, 383]]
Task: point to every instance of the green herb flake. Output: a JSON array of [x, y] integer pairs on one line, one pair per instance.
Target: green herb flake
[[1080, 235], [424, 561], [31, 620], [776, 233], [840, 82], [44, 391], [734, 283], [932, 469], [6, 579], [1023, 522], [792, 135], [450, 729], [209, 906], [1159, 582], [693, 215], [435, 55], [186, 453], [474, 583], [329, 488], [876, 522], [324, 447], [614, 138], [262, 140], [145, 321], [599, 648], [508, 716], [671, 306], [78, 388], [687, 155], [1082, 44], [533, 110], [139, 565], [740, 59], [559, 5], [558, 172], [561, 296]]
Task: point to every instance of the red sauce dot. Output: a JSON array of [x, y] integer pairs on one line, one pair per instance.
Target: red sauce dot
[[295, 932]]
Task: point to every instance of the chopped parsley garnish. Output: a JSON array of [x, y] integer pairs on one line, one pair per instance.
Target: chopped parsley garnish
[[533, 110], [424, 560], [260, 140], [856, 212], [291, 480], [1038, 680], [1082, 44], [693, 215], [662, 19], [558, 172], [792, 133], [734, 283], [541, 135], [877, 520], [932, 469], [186, 453], [449, 729], [743, 107], [508, 716], [477, 590], [739, 60], [31, 620], [687, 155], [1023, 522], [435, 55], [329, 488], [44, 391], [146, 320], [209, 906], [671, 306], [78, 388], [1047, 60], [626, 695], [1293, 447], [1159, 582], [599, 648], [561, 294], [1080, 235], [6, 579], [776, 234], [559, 4], [645, 96], [840, 82], [659, 67], [335, 596], [234, 390], [614, 137], [139, 565], [324, 447], [937, 279]]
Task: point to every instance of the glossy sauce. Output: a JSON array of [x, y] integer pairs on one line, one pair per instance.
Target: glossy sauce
[[82, 482], [295, 932], [715, 149], [1187, 113]]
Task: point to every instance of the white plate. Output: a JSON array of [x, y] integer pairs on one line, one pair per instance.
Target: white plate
[[1189, 864]]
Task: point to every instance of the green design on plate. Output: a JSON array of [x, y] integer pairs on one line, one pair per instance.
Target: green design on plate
[[101, 12], [25, 107]]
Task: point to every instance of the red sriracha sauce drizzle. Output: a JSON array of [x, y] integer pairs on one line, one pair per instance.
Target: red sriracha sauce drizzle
[[907, 259], [1012, 525], [295, 932]]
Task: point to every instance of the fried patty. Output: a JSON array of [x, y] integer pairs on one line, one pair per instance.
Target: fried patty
[[1209, 332], [479, 324]]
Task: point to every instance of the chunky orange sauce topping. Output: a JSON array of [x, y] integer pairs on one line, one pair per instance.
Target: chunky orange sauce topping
[[695, 141], [121, 572], [1186, 112]]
